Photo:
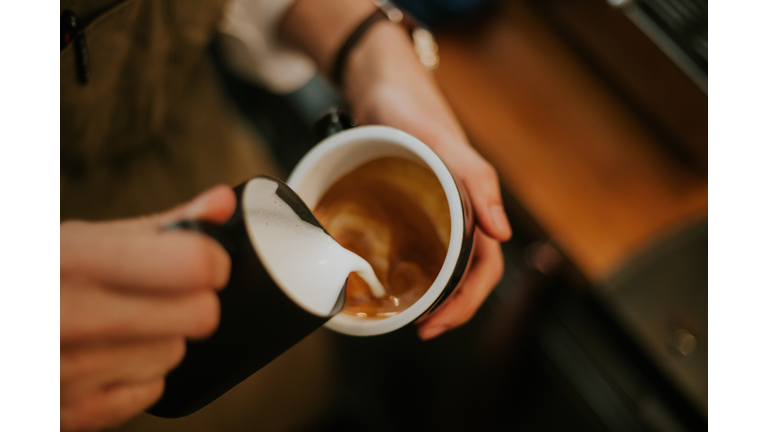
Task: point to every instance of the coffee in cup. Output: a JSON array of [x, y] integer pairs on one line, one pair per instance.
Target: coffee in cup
[[393, 213], [441, 203]]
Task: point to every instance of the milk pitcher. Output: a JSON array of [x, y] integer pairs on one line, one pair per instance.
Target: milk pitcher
[[260, 317], [262, 314]]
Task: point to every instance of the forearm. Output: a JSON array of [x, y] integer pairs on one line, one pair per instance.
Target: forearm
[[319, 28], [382, 65]]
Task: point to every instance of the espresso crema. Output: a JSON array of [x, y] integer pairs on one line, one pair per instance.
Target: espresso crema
[[393, 213]]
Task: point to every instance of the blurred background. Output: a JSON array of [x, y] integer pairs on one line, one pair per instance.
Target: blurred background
[[594, 114]]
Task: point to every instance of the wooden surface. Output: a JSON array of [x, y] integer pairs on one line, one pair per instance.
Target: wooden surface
[[565, 145], [658, 91]]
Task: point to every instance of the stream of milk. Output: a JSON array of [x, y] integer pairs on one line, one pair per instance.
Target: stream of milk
[[307, 263]]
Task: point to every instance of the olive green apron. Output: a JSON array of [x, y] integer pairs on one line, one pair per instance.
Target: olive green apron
[[150, 130]]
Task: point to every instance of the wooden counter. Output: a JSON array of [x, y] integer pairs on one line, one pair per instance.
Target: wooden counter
[[569, 149]]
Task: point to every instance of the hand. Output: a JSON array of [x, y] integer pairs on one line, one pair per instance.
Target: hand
[[387, 85], [130, 295]]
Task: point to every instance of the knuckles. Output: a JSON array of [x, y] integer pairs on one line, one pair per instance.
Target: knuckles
[[459, 312], [487, 172], [80, 415], [205, 312], [492, 264], [139, 398], [74, 419], [176, 348], [496, 268], [207, 264], [72, 362], [463, 316], [95, 412], [72, 236], [75, 317]]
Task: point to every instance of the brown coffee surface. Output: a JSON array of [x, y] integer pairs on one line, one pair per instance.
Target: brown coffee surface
[[394, 214]]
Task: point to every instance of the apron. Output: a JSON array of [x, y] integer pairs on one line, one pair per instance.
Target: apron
[[151, 129]]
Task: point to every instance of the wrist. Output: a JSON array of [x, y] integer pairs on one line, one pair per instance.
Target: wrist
[[386, 83], [321, 27], [383, 60]]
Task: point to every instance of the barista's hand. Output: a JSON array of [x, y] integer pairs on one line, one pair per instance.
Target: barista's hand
[[386, 84], [130, 296]]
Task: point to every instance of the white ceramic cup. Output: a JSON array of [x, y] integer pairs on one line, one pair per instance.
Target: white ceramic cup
[[344, 151]]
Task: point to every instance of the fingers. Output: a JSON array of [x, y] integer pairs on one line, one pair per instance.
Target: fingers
[[481, 278], [147, 261], [137, 254], [110, 406], [86, 369], [95, 314], [129, 280], [214, 205], [482, 183]]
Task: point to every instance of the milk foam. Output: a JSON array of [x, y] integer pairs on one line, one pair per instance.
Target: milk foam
[[308, 264]]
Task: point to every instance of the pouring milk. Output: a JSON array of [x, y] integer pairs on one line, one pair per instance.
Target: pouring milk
[[307, 263]]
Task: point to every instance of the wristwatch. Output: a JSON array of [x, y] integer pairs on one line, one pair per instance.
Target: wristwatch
[[423, 42]]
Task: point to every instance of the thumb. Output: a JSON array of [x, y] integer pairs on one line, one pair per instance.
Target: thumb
[[214, 205]]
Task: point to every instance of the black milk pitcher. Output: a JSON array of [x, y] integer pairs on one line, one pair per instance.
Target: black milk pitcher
[[258, 320]]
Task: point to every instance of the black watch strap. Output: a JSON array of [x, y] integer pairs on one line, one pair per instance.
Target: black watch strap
[[337, 74]]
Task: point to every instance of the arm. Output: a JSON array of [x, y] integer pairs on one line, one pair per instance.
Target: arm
[[385, 83]]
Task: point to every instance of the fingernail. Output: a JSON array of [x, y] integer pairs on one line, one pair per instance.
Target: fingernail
[[500, 221], [433, 332]]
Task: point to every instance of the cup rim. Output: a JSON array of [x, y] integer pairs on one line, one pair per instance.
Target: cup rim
[[351, 325]]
